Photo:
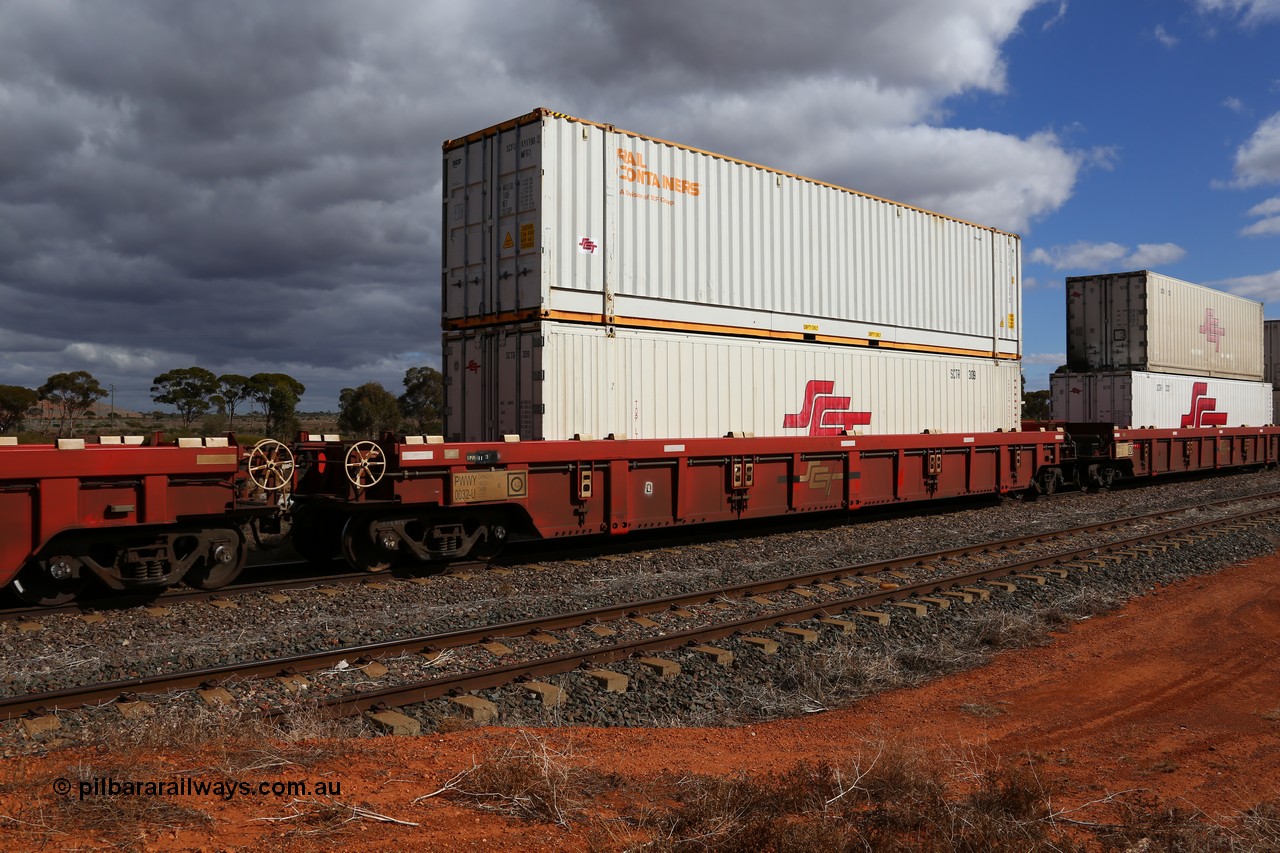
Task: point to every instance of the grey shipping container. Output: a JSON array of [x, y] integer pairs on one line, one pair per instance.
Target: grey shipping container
[[550, 380], [548, 217], [1271, 352], [1135, 398], [1150, 322]]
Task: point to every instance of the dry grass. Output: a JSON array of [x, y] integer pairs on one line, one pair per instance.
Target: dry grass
[[223, 745], [528, 779], [124, 821], [890, 798]]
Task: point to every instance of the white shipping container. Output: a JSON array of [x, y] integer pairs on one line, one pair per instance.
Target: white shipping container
[[1150, 322], [1271, 352], [1159, 400], [548, 380], [551, 217]]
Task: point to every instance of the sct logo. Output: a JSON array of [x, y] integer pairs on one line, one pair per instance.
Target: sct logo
[[1202, 412], [824, 413], [1212, 330], [473, 366]]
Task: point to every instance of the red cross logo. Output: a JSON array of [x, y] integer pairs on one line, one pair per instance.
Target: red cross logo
[[1212, 329]]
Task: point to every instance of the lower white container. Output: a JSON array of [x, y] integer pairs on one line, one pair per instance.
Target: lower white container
[[548, 380], [1160, 400]]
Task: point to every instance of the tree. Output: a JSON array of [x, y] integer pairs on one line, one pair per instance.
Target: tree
[[367, 410], [14, 403], [187, 389], [422, 402], [72, 394], [233, 389], [1036, 406], [278, 395]]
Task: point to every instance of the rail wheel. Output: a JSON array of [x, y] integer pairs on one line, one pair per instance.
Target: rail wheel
[[270, 533], [361, 551], [228, 551], [48, 583], [488, 548], [316, 535]]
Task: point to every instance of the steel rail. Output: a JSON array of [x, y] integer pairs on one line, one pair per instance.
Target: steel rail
[[14, 706], [236, 589], [499, 676]]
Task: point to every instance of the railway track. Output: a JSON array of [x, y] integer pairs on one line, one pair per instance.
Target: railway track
[[535, 648], [292, 575], [299, 574]]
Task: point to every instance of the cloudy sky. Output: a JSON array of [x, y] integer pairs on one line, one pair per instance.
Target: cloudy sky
[[250, 185]]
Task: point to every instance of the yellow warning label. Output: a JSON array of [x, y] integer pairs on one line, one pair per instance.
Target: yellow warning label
[[507, 242], [527, 235], [1010, 321]]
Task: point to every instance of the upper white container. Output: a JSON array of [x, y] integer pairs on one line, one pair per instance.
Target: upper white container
[[549, 380], [1134, 398], [551, 217], [1150, 322]]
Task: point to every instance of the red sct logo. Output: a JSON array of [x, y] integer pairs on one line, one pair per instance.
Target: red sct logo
[[1213, 330], [824, 413], [1202, 412]]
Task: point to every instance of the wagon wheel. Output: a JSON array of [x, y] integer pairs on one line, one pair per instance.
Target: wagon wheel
[[361, 551], [224, 562], [36, 586], [365, 464], [270, 465], [315, 535], [489, 547], [270, 532]]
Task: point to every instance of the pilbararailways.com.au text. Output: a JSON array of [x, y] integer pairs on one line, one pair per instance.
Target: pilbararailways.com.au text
[[226, 789]]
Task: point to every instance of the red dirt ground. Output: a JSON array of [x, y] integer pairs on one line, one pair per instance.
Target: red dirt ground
[[1177, 694]]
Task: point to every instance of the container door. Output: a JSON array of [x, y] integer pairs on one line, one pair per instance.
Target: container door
[[516, 243], [1131, 308], [1127, 401], [466, 250], [464, 386], [453, 393], [517, 357]]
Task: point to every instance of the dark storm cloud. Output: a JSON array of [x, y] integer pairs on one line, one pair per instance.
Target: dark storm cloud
[[252, 185], [198, 179]]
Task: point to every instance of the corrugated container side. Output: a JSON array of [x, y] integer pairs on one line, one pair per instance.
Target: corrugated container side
[[1151, 322], [549, 217], [553, 380], [1159, 400], [1271, 352]]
